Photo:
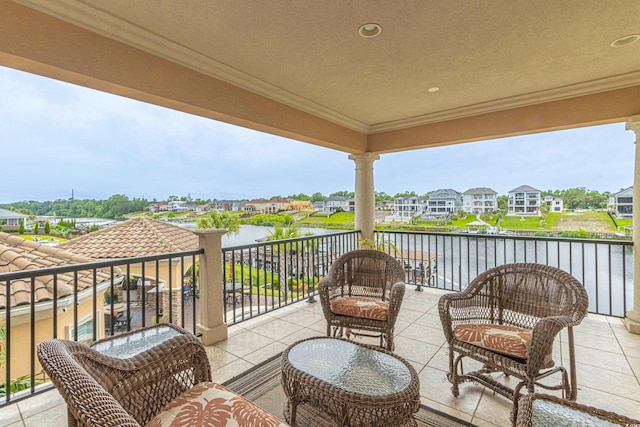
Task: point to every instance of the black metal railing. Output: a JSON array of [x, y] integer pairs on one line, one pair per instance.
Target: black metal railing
[[86, 302], [263, 277], [450, 261], [71, 301]]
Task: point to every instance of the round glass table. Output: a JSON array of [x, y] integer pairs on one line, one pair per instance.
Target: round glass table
[[355, 384]]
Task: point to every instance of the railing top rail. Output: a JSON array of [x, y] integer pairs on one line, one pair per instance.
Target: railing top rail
[[113, 262], [297, 239], [510, 237]]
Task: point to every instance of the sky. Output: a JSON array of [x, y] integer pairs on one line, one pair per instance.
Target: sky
[[57, 138]]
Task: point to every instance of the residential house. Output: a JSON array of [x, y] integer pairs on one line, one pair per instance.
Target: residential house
[[444, 201], [159, 207], [555, 204], [229, 205], [405, 208], [385, 205], [11, 220], [480, 200], [524, 200], [178, 206], [137, 237], [19, 254], [301, 205], [338, 203], [621, 203], [272, 206], [319, 205]]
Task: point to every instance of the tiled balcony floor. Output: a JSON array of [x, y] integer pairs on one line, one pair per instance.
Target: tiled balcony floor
[[608, 362]]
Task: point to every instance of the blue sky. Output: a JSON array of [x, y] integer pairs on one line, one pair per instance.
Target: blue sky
[[55, 137]]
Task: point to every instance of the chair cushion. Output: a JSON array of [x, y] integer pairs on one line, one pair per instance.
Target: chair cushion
[[212, 405], [509, 340], [362, 307]]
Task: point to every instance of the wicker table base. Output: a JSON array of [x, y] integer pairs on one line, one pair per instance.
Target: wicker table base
[[354, 384]]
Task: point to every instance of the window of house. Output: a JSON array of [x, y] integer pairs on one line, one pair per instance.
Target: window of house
[[85, 329]]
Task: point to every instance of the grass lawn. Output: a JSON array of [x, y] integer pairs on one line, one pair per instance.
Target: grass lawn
[[521, 222], [338, 218]]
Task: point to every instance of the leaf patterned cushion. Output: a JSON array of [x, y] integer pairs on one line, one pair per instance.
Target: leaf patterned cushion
[[362, 307], [509, 340], [212, 405]]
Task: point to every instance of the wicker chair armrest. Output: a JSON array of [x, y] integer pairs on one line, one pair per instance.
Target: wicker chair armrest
[[324, 291], [395, 301], [86, 400], [542, 337], [455, 308]]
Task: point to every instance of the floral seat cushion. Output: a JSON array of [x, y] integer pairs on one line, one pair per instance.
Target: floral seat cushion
[[362, 307], [509, 340], [212, 405]]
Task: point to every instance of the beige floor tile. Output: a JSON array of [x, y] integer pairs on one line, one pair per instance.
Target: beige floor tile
[[433, 335], [52, 417], [265, 353], [229, 371], [434, 386], [10, 414], [277, 329], [494, 409], [219, 357], [414, 350], [300, 335], [604, 379], [445, 409], [39, 403], [618, 404], [244, 343]]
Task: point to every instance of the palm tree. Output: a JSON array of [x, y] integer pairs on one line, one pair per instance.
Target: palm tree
[[285, 250], [223, 220]]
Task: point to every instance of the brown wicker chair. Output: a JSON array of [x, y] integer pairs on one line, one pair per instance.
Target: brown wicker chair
[[163, 385], [507, 319], [362, 294]]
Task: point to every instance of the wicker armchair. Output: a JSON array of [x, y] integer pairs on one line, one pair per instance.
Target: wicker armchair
[[507, 319], [362, 295], [166, 384]]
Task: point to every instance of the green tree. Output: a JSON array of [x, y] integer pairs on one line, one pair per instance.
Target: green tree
[[36, 229], [21, 227], [406, 194], [344, 193], [223, 220], [285, 251], [317, 197], [47, 227], [503, 203]]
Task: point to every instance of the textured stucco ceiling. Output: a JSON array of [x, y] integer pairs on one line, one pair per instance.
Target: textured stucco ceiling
[[485, 56]]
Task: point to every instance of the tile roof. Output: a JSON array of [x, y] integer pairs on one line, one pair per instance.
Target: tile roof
[[524, 188], [18, 254], [135, 237]]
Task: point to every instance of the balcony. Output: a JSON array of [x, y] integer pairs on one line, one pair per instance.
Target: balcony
[[608, 362], [268, 317]]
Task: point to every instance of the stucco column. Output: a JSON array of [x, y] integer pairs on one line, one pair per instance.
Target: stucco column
[[632, 319], [211, 324], [365, 195]]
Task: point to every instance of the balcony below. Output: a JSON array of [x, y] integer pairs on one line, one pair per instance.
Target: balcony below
[[608, 362]]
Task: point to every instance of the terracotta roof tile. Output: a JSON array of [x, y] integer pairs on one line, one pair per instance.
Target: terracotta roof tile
[[18, 254], [135, 237]]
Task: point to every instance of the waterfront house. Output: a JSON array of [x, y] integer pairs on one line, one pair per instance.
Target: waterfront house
[[480, 200], [524, 200], [405, 208], [555, 204], [621, 203], [444, 201], [337, 203]]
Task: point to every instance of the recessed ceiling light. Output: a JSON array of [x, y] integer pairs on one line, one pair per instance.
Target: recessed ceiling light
[[370, 30], [625, 40], [433, 89]]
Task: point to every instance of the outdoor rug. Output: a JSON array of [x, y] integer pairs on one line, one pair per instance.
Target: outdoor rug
[[261, 385]]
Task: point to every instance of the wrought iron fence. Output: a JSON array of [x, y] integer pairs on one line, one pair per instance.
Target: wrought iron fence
[[263, 277], [451, 261]]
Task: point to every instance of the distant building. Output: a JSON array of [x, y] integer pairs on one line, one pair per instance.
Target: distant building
[[178, 206], [621, 203], [480, 200], [159, 207], [272, 206], [301, 205], [405, 208], [11, 219], [338, 203], [444, 201], [555, 204], [524, 200]]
